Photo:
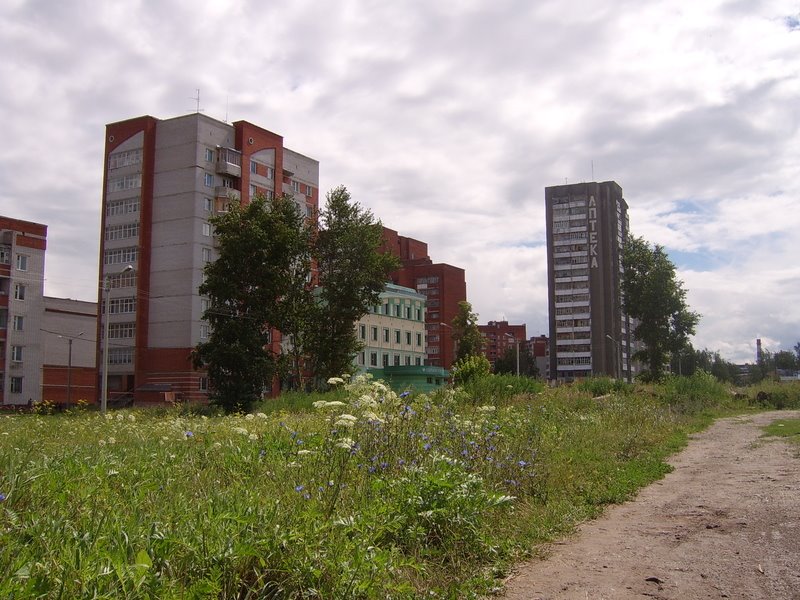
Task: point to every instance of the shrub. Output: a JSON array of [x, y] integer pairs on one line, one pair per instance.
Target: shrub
[[601, 386], [470, 367]]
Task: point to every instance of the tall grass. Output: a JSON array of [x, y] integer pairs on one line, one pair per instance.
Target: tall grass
[[362, 494]]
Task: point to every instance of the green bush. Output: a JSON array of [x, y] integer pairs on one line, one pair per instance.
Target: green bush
[[601, 386], [470, 367], [495, 389]]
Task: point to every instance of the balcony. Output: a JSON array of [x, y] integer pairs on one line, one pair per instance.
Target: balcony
[[227, 193], [229, 162]]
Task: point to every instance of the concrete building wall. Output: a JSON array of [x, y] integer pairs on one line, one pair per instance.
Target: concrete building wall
[[589, 333]]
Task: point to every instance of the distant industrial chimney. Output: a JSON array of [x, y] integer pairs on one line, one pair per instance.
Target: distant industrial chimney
[[758, 351]]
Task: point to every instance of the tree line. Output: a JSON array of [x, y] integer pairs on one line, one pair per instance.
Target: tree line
[[278, 270]]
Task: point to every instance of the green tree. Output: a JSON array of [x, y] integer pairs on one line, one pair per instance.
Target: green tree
[[352, 272], [260, 248], [466, 335], [656, 299], [785, 360]]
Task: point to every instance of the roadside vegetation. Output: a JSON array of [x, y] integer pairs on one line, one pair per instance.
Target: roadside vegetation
[[358, 493]]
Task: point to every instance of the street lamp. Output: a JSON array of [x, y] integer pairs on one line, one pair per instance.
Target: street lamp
[[516, 343], [106, 295], [617, 374], [69, 364]]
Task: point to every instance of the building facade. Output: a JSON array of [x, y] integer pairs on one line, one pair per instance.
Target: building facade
[[443, 286], [22, 250], [540, 350], [163, 180], [499, 337], [589, 332]]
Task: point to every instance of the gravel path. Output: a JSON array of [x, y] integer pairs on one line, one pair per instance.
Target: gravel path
[[724, 524]]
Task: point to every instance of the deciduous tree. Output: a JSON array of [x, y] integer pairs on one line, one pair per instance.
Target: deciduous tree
[[655, 297], [352, 273], [466, 335]]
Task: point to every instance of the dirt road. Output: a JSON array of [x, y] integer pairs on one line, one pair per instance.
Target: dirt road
[[724, 524]]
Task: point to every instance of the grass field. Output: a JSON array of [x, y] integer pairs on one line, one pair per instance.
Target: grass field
[[356, 494]]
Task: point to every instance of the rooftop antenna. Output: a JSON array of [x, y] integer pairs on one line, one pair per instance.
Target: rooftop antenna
[[197, 101]]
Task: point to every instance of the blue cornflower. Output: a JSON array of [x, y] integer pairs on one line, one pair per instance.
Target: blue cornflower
[[2, 497], [384, 465], [522, 464], [307, 496], [427, 446], [299, 442], [371, 470], [188, 434], [401, 462], [299, 488], [404, 394], [464, 453]]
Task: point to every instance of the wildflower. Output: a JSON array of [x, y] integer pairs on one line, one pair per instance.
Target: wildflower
[[317, 404], [304, 452], [2, 497], [120, 417], [112, 440], [109, 416], [253, 436], [371, 416], [241, 430], [188, 434], [261, 415], [335, 404], [249, 416], [344, 423], [404, 394], [217, 445], [522, 464], [345, 443], [335, 381], [131, 418], [427, 446], [299, 488], [102, 442]]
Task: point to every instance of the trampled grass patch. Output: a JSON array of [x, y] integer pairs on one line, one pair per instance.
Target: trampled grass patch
[[366, 494], [785, 428]]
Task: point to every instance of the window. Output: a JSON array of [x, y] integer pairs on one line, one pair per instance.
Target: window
[[19, 323], [207, 229], [208, 180], [270, 195], [408, 338], [385, 360], [362, 332], [386, 308], [408, 361], [122, 232], [270, 173], [209, 155], [396, 336], [22, 262], [121, 331], [120, 356], [309, 210], [408, 312], [385, 334], [122, 207], [120, 255], [374, 334], [254, 167], [5, 255], [396, 360], [296, 186], [373, 359], [16, 353], [125, 159], [128, 182], [419, 339], [208, 204], [16, 385], [121, 280], [309, 190], [397, 310], [418, 313], [19, 291], [253, 190], [206, 253], [418, 361], [204, 305], [118, 306], [203, 332], [203, 384]]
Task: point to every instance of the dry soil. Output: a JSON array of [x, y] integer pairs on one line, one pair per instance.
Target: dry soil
[[724, 524]]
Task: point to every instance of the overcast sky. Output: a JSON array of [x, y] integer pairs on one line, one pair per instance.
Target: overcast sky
[[448, 119]]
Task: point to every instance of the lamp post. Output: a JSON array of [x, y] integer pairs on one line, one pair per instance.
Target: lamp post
[[69, 364], [516, 344], [617, 374], [106, 295]]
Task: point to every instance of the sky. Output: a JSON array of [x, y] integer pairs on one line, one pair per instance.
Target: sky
[[447, 120]]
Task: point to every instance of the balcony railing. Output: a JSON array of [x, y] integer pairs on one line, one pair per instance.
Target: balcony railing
[[229, 162]]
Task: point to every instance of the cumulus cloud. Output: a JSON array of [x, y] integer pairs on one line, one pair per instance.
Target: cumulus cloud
[[447, 119]]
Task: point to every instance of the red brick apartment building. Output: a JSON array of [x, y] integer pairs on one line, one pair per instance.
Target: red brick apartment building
[[162, 181], [443, 286], [500, 336]]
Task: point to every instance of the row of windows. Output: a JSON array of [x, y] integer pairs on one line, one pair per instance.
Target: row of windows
[[120, 356], [572, 285], [5, 258], [572, 260], [573, 298], [576, 348], [119, 306], [122, 232], [121, 280], [574, 235], [120, 255], [386, 336], [398, 310], [126, 182], [572, 323], [121, 331], [122, 207], [427, 280], [125, 159], [257, 168], [397, 359], [575, 360]]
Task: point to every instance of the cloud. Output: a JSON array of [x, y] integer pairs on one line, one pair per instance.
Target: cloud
[[448, 120]]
